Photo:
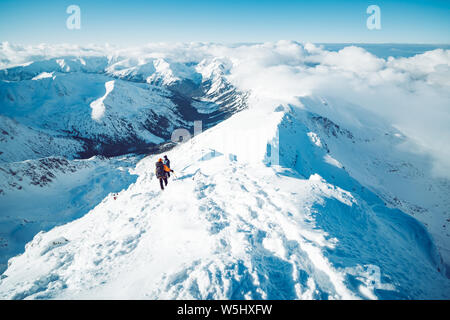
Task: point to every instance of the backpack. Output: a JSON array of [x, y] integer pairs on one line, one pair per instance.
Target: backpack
[[167, 163], [160, 173]]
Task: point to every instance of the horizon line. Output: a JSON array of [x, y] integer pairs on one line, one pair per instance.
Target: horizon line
[[224, 43]]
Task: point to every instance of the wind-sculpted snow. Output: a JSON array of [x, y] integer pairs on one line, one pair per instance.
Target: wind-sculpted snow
[[371, 152]]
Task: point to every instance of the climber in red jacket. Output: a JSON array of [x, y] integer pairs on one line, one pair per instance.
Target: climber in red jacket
[[161, 172]]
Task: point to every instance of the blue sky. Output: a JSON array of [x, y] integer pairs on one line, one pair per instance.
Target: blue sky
[[136, 22]]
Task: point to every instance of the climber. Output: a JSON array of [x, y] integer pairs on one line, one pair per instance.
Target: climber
[[161, 173], [167, 163]]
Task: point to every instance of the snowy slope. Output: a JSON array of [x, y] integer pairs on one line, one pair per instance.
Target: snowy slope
[[19, 142], [39, 194], [331, 185], [124, 113], [234, 226], [374, 154]]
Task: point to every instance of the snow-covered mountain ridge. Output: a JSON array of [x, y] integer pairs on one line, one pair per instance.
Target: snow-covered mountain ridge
[[317, 190], [232, 227], [104, 109]]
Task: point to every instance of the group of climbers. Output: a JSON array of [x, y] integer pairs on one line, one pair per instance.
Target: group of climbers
[[163, 171]]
